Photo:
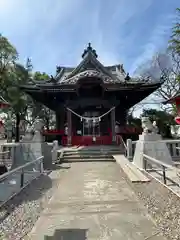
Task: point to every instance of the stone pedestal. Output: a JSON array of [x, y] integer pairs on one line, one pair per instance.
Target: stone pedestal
[[46, 152], [33, 147], [40, 148], [152, 145], [22, 152]]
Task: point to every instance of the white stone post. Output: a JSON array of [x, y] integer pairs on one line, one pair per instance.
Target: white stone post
[[54, 151], [129, 149]]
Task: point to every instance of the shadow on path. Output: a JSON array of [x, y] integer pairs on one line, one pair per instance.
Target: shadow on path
[[59, 166], [68, 234]]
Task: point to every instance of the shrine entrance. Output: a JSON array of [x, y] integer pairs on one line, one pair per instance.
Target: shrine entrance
[[91, 125], [92, 129]]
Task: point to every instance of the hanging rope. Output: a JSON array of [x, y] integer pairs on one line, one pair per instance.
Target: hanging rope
[[90, 118]]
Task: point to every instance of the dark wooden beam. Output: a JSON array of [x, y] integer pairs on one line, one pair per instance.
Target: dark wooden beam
[[85, 102]]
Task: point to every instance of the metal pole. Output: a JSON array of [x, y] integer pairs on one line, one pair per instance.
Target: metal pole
[[145, 164], [22, 179], [164, 174], [41, 166]]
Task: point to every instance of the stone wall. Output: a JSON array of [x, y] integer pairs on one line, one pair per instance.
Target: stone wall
[[162, 204]]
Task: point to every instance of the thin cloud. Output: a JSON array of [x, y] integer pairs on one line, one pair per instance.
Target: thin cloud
[[154, 44], [56, 32]]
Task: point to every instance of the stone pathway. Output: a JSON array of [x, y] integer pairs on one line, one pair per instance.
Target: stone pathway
[[94, 202]]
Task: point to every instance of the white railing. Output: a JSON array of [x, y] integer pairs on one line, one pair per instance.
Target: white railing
[[122, 144], [15, 180], [12, 149], [172, 145], [164, 166]]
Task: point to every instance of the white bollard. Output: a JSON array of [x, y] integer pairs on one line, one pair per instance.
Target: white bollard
[[129, 149], [54, 151]]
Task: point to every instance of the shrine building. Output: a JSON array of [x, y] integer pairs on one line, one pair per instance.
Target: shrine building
[[176, 101], [90, 99]]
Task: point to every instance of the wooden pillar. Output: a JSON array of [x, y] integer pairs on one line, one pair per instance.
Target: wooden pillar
[[113, 123], [57, 121], [69, 125], [60, 119]]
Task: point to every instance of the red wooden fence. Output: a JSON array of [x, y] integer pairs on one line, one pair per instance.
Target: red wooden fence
[[88, 140]]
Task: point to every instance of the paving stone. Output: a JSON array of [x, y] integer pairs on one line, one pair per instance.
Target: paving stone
[[94, 202]]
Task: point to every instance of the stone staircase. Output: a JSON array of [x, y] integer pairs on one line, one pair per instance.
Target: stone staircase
[[90, 154]]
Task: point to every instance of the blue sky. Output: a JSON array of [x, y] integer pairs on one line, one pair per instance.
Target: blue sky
[[55, 32]]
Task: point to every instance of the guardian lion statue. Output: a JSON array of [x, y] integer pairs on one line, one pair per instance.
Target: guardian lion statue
[[148, 126], [38, 125], [33, 129]]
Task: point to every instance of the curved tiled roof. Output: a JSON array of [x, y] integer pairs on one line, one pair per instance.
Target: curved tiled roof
[[89, 74]]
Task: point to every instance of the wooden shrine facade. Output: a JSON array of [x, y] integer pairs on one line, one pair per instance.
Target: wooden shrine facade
[[90, 99], [175, 100]]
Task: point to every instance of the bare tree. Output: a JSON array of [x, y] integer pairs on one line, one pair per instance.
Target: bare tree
[[165, 66]]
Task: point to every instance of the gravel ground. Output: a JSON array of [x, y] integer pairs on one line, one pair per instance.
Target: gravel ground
[[18, 216], [162, 204]]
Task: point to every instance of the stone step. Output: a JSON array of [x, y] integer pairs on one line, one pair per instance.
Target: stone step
[[87, 156], [92, 152], [93, 149], [133, 173], [141, 176], [88, 160]]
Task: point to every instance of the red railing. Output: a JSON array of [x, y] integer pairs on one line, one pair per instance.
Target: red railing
[[53, 132], [130, 130], [122, 130], [88, 140]]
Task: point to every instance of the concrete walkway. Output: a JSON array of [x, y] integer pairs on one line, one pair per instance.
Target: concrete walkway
[[94, 202]]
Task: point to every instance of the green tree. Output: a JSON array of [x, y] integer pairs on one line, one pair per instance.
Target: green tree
[[18, 100], [175, 38], [13, 74], [38, 76], [174, 47], [163, 119], [133, 121], [38, 109], [8, 57]]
